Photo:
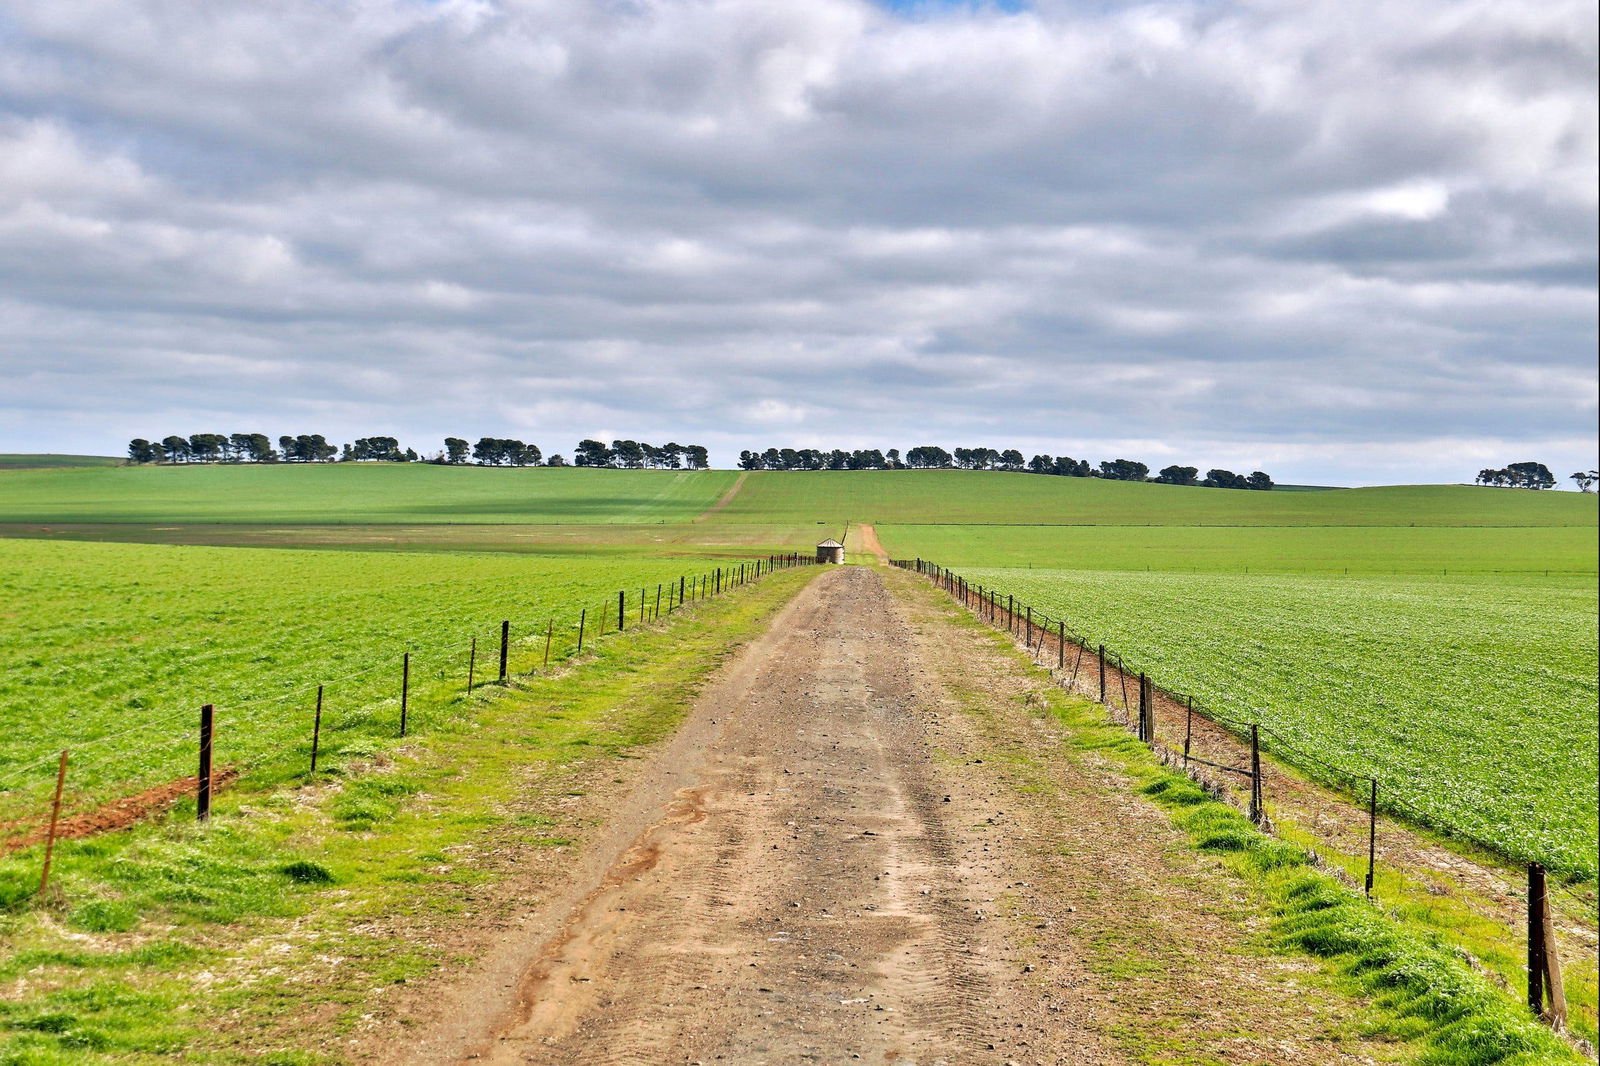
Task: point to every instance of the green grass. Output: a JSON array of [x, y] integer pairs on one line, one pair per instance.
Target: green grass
[[981, 498], [357, 493], [279, 926], [48, 460], [1333, 550], [109, 649], [1419, 991], [1472, 700]]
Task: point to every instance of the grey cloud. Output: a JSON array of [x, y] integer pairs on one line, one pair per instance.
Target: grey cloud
[[1243, 229]]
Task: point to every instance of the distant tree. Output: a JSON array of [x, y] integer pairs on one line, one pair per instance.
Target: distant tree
[[556, 460], [592, 453], [286, 448], [1258, 480], [868, 459], [259, 448], [1224, 479], [377, 449], [1067, 466], [1124, 470], [1585, 479], [1178, 475], [1531, 476], [141, 451], [672, 455], [411, 455], [749, 460], [455, 451], [629, 454], [892, 457], [175, 449], [695, 457], [927, 457]]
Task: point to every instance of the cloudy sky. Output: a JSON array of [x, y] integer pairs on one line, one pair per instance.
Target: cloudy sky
[[1345, 241]]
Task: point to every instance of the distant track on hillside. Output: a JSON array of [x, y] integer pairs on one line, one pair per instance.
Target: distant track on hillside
[[725, 499]]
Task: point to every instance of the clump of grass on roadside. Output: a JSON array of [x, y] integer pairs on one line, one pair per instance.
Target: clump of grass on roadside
[[1431, 993]]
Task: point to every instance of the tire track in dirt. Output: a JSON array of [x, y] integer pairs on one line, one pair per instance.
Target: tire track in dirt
[[725, 499]]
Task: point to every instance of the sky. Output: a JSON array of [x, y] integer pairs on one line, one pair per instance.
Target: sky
[[1342, 241]]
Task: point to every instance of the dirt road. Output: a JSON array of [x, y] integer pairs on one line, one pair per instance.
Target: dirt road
[[851, 869]]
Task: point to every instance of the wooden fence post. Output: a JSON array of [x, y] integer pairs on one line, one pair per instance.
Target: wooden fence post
[[203, 789], [1061, 645], [55, 819], [316, 730], [1544, 966], [1188, 731], [583, 616], [505, 650], [1102, 675], [472, 663], [657, 613], [549, 636], [1144, 709]]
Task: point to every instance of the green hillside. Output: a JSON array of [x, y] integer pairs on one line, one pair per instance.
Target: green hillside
[[357, 493], [961, 497]]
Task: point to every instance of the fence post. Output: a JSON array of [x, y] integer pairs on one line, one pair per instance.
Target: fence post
[[1029, 640], [622, 603], [203, 791], [549, 635], [55, 819], [1188, 731], [1372, 835], [680, 592], [1256, 811], [582, 617], [657, 613], [1536, 890], [316, 730], [405, 689], [505, 649], [1061, 645], [1102, 675], [472, 663], [1011, 614], [1144, 709]]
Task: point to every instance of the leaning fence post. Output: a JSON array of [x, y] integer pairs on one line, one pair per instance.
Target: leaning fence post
[[1372, 835], [549, 635], [472, 663], [316, 730], [657, 613], [55, 819], [583, 616], [505, 649], [203, 789]]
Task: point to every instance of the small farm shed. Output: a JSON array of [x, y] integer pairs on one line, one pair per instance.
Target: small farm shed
[[830, 551]]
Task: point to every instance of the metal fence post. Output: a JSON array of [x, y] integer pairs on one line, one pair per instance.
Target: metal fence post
[[203, 790], [316, 730], [505, 649]]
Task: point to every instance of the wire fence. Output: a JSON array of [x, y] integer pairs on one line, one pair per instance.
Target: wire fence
[[1109, 678], [406, 690]]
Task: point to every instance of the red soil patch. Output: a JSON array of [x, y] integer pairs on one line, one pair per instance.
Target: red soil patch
[[118, 814]]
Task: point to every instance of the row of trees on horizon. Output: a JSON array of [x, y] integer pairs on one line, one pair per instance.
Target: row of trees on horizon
[[931, 457], [488, 451]]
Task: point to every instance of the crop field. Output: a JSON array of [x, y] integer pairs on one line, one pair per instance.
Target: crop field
[[1472, 700], [973, 498], [364, 493], [109, 649]]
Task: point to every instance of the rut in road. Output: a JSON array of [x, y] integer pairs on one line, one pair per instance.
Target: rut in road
[[802, 898]]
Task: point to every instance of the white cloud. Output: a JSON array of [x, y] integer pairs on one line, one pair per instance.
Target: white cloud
[[1301, 228]]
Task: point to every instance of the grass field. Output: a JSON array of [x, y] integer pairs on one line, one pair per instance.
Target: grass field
[[109, 649], [1471, 700], [360, 493]]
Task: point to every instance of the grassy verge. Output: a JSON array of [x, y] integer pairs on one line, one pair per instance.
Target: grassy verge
[[1419, 989], [298, 916]]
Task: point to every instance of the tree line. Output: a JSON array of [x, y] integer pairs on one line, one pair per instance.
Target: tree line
[[488, 451], [931, 457], [1521, 476]]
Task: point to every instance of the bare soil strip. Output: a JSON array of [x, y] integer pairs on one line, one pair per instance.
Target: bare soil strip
[[118, 814], [831, 863], [871, 543]]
